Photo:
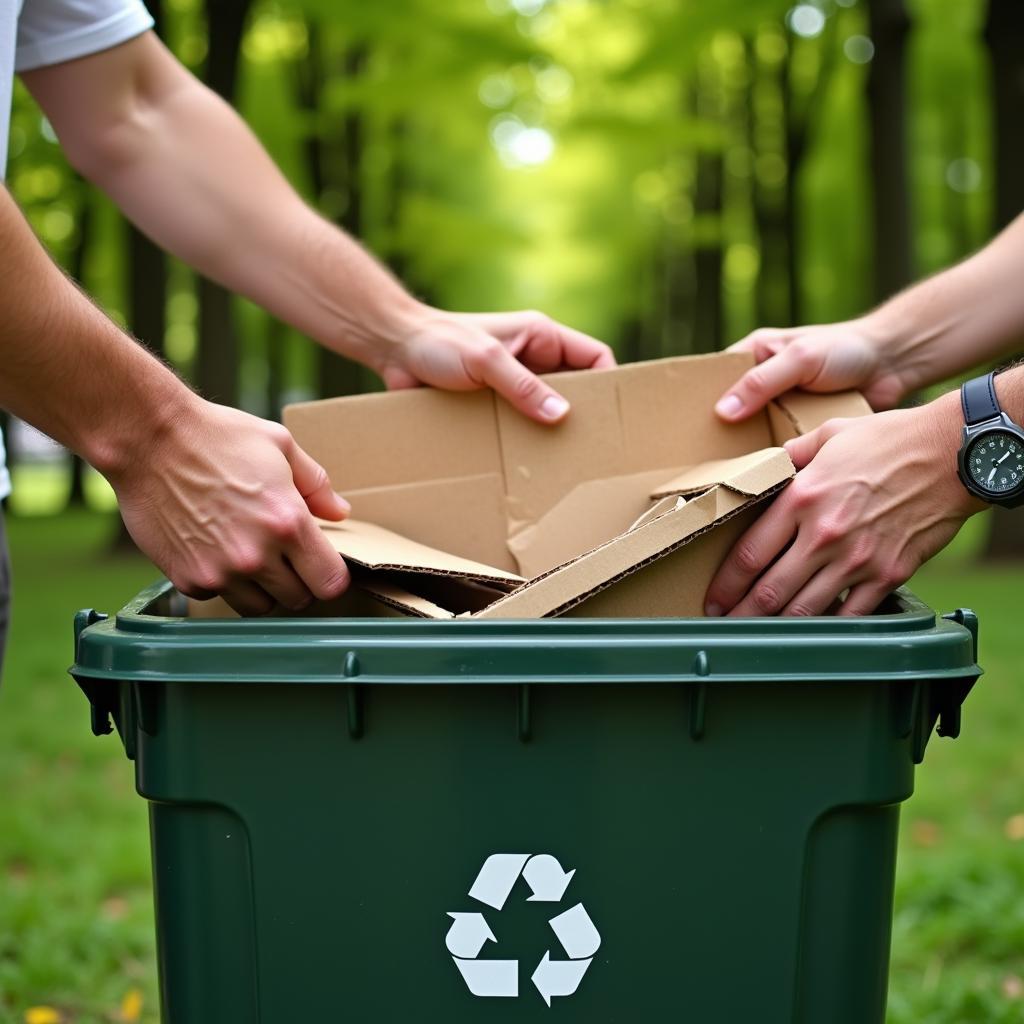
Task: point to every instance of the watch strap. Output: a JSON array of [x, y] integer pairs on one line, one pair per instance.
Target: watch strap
[[978, 399]]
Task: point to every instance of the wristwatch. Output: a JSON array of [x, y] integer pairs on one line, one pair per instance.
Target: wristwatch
[[991, 457]]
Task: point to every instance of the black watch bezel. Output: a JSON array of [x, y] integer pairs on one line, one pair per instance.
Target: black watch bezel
[[1002, 424]]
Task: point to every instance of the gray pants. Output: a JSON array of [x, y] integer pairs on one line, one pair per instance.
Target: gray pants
[[5, 589]]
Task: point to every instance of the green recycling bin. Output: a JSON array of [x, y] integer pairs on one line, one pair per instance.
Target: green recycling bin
[[397, 820]]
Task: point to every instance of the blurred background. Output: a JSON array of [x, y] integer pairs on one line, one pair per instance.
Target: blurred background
[[665, 175]]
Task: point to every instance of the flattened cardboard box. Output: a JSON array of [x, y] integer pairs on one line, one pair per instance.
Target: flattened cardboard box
[[463, 507]]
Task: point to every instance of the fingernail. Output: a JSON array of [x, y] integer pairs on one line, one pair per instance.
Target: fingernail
[[344, 502], [713, 611], [554, 407], [729, 406]]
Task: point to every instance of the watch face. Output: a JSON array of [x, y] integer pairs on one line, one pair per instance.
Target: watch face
[[995, 462]]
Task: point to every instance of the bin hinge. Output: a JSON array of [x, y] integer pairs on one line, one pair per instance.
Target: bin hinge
[[103, 697], [354, 696]]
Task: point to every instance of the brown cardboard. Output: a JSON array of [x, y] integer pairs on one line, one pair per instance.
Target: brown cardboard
[[373, 547], [463, 507]]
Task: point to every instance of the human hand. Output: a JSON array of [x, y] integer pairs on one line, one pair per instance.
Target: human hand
[[826, 357], [874, 498], [503, 351], [224, 502]]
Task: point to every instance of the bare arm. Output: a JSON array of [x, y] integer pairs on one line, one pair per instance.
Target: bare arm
[[220, 500], [967, 315], [185, 168]]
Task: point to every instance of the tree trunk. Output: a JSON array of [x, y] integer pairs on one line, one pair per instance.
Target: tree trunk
[[217, 357], [1004, 34], [887, 104], [774, 282], [338, 375], [275, 339], [76, 494], [707, 257]]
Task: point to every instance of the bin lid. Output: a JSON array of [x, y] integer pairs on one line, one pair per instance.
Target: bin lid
[[141, 643]]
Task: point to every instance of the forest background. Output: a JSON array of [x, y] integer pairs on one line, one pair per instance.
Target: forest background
[[664, 174]]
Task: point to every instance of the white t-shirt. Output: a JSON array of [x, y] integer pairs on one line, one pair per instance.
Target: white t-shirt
[[37, 33]]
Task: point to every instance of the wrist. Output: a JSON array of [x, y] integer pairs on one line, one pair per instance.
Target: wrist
[[897, 345], [131, 439], [941, 428]]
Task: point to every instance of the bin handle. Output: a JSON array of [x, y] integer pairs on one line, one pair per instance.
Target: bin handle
[[950, 696], [101, 704]]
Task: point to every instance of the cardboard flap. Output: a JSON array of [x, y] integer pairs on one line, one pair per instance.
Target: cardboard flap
[[659, 508], [404, 600], [373, 547], [590, 514], [571, 584], [807, 410], [751, 474]]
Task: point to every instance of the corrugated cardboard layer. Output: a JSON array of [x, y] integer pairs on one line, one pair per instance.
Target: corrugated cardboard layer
[[373, 547], [673, 585]]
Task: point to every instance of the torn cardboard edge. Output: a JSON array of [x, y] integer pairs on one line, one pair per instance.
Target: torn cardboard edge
[[747, 474]]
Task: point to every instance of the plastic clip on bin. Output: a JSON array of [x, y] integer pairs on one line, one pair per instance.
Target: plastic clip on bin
[[389, 820]]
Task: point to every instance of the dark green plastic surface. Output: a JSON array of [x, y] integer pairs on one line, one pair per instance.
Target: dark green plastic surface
[[324, 793]]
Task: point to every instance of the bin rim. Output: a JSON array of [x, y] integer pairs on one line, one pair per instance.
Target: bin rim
[[138, 645]]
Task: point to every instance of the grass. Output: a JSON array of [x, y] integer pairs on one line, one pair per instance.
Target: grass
[[76, 926]]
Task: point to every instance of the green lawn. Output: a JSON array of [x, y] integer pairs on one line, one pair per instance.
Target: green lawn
[[75, 914]]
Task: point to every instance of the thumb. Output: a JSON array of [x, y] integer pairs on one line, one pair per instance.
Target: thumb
[[522, 389], [757, 387], [802, 449], [314, 485]]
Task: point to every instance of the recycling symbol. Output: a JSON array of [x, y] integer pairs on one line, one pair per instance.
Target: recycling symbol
[[573, 928]]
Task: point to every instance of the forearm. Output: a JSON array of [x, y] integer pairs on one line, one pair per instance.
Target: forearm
[[186, 169], [67, 369], [969, 314]]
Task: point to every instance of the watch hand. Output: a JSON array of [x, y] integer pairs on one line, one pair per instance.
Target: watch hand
[[1003, 459], [991, 475]]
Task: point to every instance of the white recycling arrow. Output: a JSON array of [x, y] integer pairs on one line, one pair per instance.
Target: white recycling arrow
[[576, 932], [557, 977], [490, 977], [544, 875], [468, 934], [497, 876]]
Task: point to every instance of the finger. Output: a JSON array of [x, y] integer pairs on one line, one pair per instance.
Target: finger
[[247, 598], [763, 342], [864, 599], [545, 345], [284, 585], [540, 352], [314, 485], [804, 448], [821, 593], [579, 351], [582, 352], [525, 391], [777, 587], [769, 379], [750, 556], [321, 569]]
